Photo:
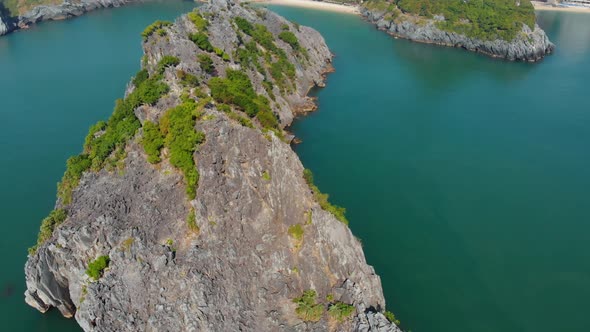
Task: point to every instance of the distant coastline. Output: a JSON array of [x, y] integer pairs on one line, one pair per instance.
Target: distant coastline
[[321, 5], [545, 6]]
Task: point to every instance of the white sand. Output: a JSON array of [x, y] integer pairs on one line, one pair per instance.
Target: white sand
[[544, 6], [313, 4]]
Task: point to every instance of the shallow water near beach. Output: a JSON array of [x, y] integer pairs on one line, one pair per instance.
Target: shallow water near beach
[[467, 179]]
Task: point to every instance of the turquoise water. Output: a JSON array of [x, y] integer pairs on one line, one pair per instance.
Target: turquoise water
[[466, 178], [55, 81]]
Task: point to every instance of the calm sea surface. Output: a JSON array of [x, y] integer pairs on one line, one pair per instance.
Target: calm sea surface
[[467, 179]]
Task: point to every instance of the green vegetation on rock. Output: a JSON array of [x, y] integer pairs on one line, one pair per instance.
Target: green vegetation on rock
[[296, 232], [482, 19], [202, 41], [322, 199], [48, 225], [178, 127], [198, 20], [152, 141], [156, 26], [206, 63], [340, 311], [391, 317], [236, 89], [307, 308], [97, 266], [165, 62]]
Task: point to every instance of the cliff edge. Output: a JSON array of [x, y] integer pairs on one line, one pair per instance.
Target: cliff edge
[[189, 211]]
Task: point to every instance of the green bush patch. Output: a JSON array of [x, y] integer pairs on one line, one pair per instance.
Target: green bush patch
[[48, 225], [340, 311], [307, 308], [97, 266], [150, 29], [322, 199]]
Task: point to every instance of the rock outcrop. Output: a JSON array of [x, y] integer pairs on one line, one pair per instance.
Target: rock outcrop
[[529, 45], [243, 267], [67, 9]]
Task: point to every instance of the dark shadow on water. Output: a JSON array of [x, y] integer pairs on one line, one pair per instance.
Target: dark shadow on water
[[451, 66]]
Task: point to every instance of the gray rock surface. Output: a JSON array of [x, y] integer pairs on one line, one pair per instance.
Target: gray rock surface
[[242, 269], [68, 9], [529, 45]]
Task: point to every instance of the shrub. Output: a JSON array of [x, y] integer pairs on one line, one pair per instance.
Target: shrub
[[48, 225], [296, 232], [96, 267], [267, 118], [150, 29], [152, 141], [140, 77], [307, 308], [181, 139], [340, 311], [167, 61], [198, 20], [391, 317], [206, 63], [191, 221], [289, 38], [242, 120], [75, 167], [322, 199], [244, 25], [266, 176], [187, 79], [237, 89], [202, 41]]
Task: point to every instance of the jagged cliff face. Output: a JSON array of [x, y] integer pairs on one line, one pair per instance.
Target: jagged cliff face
[[242, 269], [65, 10], [529, 45]]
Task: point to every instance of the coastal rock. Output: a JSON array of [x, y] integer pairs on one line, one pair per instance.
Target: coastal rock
[[6, 24], [242, 269], [529, 45], [67, 9]]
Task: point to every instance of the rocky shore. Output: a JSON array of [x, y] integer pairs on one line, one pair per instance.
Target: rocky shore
[[255, 249], [529, 45], [67, 9]]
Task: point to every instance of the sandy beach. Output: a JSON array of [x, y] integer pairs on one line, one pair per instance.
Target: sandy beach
[[544, 6], [313, 4]]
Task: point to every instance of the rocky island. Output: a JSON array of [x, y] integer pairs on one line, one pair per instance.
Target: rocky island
[[21, 14], [188, 210], [498, 28]]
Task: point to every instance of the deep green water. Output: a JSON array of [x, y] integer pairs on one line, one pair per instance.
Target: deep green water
[[55, 81], [467, 179]]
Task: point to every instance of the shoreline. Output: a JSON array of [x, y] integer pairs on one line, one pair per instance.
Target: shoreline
[[542, 6], [321, 5]]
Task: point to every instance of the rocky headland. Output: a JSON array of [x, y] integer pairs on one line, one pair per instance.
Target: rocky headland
[[530, 44], [68, 9], [189, 211]]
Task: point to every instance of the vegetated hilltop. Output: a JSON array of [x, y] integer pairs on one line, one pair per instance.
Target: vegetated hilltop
[[19, 14], [499, 28], [188, 210]]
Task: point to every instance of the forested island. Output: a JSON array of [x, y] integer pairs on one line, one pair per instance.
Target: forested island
[[188, 209], [21, 14], [499, 28]]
